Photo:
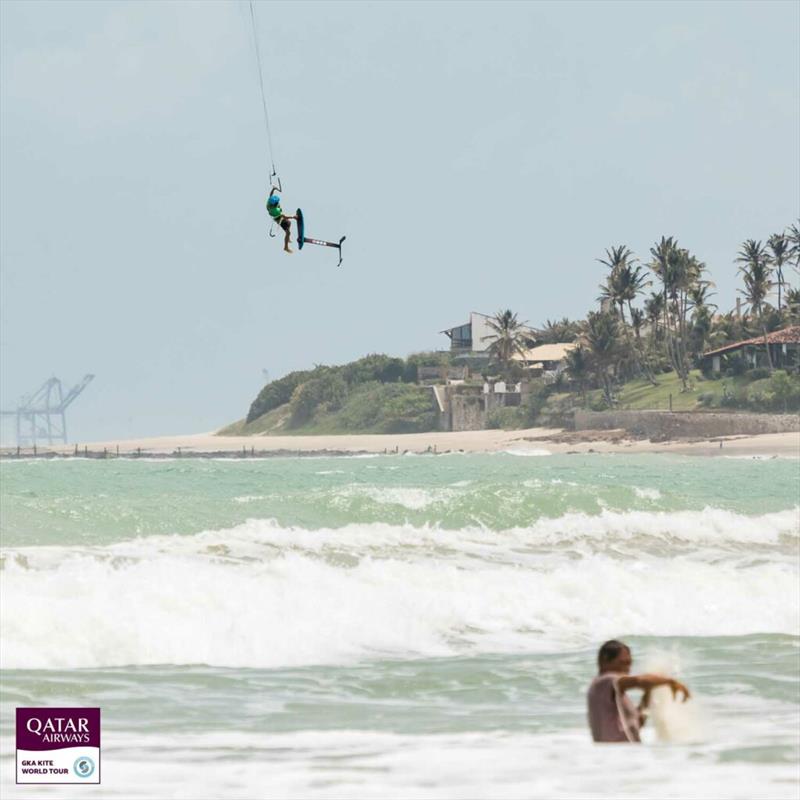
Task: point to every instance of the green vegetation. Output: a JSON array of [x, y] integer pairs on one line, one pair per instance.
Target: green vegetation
[[648, 356], [277, 393], [639, 393], [778, 392], [385, 408], [508, 338], [629, 357], [375, 394], [755, 390]]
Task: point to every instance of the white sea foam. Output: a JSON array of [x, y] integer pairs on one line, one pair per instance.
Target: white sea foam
[[674, 719], [646, 493], [372, 765], [526, 451], [263, 595], [407, 496]]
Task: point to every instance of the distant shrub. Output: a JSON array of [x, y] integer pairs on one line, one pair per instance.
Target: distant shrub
[[371, 368], [735, 365], [560, 410], [409, 409], [779, 392], [277, 392], [757, 374], [707, 399], [318, 395], [785, 391], [506, 418], [389, 408], [760, 400], [430, 359], [374, 367]]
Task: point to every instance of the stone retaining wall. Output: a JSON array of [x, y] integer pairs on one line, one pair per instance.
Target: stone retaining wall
[[686, 424], [467, 412]]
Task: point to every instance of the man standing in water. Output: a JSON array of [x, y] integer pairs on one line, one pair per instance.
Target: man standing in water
[[612, 716]]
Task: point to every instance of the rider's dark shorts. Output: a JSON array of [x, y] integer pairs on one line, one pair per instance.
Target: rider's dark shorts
[[285, 224]]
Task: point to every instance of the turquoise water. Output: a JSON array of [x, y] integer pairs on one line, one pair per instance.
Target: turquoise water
[[97, 502], [404, 626]]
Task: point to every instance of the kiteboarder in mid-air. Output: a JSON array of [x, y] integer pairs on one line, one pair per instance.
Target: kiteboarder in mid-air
[[275, 211]]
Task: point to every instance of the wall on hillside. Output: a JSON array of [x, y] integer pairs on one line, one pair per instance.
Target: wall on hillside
[[467, 412], [683, 424]]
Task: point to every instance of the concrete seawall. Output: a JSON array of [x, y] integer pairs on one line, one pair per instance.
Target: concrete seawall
[[686, 424]]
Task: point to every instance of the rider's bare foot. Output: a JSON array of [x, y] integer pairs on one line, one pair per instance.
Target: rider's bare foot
[[288, 250]]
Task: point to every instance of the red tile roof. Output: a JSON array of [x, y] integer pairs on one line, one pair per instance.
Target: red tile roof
[[790, 335]]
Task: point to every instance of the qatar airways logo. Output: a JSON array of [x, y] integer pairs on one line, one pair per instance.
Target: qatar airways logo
[[60, 729], [58, 745]]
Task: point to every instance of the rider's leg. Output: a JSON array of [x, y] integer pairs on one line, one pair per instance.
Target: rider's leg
[[286, 239]]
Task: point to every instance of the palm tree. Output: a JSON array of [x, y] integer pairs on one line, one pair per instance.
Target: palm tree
[[619, 261], [637, 321], [510, 337], [578, 368], [678, 271], [661, 257], [562, 330], [756, 274], [725, 329], [603, 342], [624, 283], [702, 317], [699, 295], [653, 309], [779, 245], [793, 235], [793, 306]]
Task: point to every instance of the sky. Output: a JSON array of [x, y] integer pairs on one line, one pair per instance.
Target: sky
[[478, 156]]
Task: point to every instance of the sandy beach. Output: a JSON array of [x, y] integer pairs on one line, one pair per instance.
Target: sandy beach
[[533, 441]]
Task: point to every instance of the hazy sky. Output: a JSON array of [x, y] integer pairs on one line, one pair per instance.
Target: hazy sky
[[477, 155]]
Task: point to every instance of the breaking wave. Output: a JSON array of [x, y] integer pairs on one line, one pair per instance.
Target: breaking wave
[[263, 595]]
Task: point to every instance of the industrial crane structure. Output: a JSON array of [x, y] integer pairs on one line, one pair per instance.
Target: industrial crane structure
[[41, 415]]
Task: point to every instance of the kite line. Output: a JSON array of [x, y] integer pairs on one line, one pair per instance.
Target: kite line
[[274, 172]]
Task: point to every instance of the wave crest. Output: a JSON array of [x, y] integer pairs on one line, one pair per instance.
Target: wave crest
[[261, 595]]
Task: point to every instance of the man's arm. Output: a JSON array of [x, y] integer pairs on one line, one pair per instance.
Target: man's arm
[[649, 682]]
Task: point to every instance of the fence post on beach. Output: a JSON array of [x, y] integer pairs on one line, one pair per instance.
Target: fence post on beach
[[105, 452], [252, 450], [117, 451], [86, 451], [76, 448], [17, 449], [34, 448], [670, 401]]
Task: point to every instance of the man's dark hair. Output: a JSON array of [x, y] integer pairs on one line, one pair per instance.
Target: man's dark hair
[[609, 651]]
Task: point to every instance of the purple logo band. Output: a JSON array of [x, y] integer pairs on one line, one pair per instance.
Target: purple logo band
[[56, 728]]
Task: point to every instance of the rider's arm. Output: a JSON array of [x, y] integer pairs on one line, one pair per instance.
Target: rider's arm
[[649, 682]]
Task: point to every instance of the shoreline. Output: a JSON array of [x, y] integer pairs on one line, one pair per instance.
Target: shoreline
[[532, 441]]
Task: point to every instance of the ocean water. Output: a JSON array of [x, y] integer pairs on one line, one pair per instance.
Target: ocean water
[[398, 626]]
